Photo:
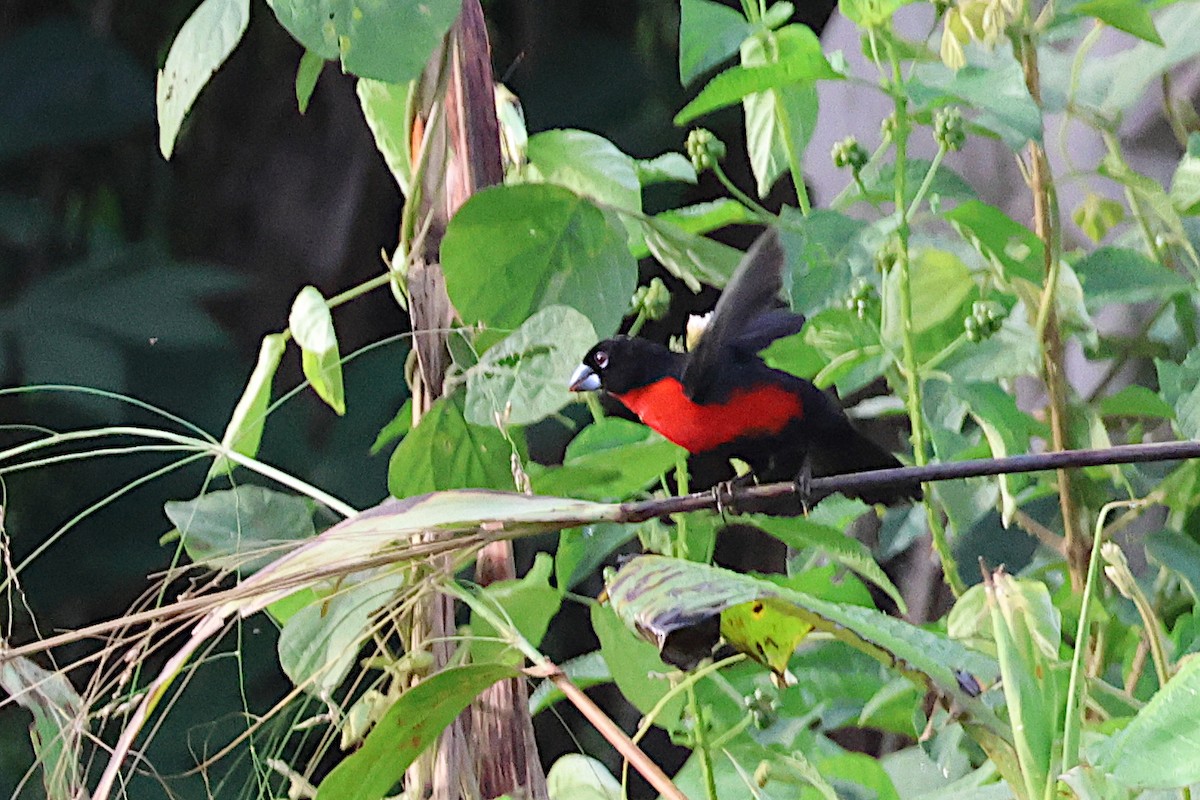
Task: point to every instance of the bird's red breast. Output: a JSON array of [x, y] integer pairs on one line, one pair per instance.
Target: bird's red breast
[[762, 410]]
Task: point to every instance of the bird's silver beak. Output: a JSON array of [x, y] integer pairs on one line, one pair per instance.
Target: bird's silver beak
[[584, 379]]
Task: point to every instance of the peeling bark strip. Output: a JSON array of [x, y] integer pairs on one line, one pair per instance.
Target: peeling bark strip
[[456, 138]]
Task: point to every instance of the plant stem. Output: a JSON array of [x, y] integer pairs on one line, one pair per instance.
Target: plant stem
[[923, 189], [743, 198], [910, 368], [1045, 217], [700, 739]]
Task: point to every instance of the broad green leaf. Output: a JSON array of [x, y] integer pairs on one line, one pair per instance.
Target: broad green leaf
[[1185, 185], [780, 120], [385, 107], [319, 644], [386, 41], [241, 528], [545, 246], [800, 61], [1009, 353], [58, 724], [1120, 275], [801, 532], [244, 431], [587, 164], [579, 777], [1177, 553], [201, 46], [658, 596], [409, 726], [311, 325], [635, 667], [582, 550], [446, 452], [825, 251], [1114, 84], [998, 92], [611, 459], [1157, 749], [1007, 430], [709, 33], [1130, 16], [939, 282], [880, 184], [307, 74], [666, 168], [1013, 249], [709, 216], [1136, 401], [692, 258], [854, 354], [529, 603], [524, 378], [1180, 386]]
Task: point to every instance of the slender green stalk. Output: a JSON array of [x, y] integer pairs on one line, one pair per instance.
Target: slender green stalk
[[743, 198], [700, 740], [1077, 685], [923, 189], [793, 157]]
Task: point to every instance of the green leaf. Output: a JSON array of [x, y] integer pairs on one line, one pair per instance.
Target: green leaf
[[854, 354], [1114, 84], [579, 777], [57, 730], [1136, 401], [244, 431], [1130, 16], [709, 34], [666, 168], [445, 452], [1006, 428], [1185, 185], [529, 603], [201, 46], [780, 121], [582, 550], [800, 62], [585, 671], [385, 107], [1180, 386], [387, 41], [408, 727], [1157, 749], [997, 91], [635, 667], [241, 528], [825, 251], [545, 246], [307, 74], [1119, 275], [799, 533], [311, 325], [1013, 249], [709, 216], [880, 184], [1097, 215], [941, 282], [1011, 352], [611, 459], [691, 258], [1177, 553], [587, 164], [870, 13], [524, 378], [319, 644], [398, 426]]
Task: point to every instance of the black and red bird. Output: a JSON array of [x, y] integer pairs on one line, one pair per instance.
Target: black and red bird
[[722, 401]]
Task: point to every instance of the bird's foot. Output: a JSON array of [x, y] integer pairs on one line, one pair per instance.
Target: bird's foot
[[723, 493], [809, 497]]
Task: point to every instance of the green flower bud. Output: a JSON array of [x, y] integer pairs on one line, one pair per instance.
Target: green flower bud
[[652, 301], [849, 153], [948, 128], [704, 149], [887, 127]]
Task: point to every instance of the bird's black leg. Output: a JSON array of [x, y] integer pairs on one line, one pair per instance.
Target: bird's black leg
[[723, 492], [808, 496]]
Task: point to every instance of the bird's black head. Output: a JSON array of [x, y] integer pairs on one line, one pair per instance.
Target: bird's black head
[[619, 364]]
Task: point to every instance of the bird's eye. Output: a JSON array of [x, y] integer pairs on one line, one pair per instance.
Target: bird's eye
[[601, 359]]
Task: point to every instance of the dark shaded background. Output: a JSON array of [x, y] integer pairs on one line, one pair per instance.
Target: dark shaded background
[[108, 253]]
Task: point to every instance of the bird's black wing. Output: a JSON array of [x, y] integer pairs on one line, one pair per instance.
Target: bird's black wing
[[749, 316]]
